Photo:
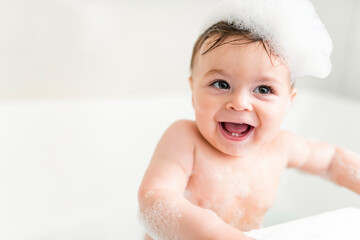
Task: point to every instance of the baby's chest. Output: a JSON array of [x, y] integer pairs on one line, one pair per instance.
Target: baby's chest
[[227, 189]]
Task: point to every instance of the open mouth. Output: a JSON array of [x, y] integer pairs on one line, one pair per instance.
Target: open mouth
[[235, 131]]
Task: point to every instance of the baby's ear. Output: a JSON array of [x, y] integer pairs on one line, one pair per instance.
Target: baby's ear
[[190, 79], [293, 94], [291, 98], [191, 86]]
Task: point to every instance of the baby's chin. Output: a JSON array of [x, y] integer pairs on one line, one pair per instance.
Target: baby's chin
[[244, 149], [236, 149]]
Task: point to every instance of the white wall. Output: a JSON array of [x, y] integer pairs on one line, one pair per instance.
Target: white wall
[[342, 19], [111, 48]]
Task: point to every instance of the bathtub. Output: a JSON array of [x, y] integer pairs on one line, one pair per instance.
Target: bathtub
[[70, 169]]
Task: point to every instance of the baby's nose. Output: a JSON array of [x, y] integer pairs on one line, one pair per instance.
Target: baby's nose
[[240, 101]]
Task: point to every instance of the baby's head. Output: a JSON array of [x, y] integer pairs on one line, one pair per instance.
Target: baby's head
[[242, 75], [222, 33], [241, 89]]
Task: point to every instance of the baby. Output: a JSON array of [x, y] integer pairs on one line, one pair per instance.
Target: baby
[[216, 177]]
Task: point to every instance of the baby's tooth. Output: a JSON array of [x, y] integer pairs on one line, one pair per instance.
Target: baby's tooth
[[235, 134]]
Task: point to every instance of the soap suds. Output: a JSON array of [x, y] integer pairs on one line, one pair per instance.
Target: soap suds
[[353, 172], [234, 182], [161, 220], [238, 215], [149, 194], [292, 29], [245, 227]]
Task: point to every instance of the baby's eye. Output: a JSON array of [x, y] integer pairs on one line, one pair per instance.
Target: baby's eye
[[264, 90], [221, 84]]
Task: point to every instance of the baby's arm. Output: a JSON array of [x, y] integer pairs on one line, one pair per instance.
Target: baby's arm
[[339, 165], [165, 213]]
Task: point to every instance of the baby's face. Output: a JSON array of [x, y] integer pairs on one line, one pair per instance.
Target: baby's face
[[239, 96]]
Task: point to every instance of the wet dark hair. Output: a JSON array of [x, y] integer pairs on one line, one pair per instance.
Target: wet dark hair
[[219, 32]]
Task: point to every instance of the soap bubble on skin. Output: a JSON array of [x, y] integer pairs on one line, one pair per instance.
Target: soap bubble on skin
[[149, 194], [239, 214], [353, 172], [222, 209], [291, 28], [256, 224], [235, 182], [340, 163], [240, 185], [188, 195], [161, 220], [234, 185]]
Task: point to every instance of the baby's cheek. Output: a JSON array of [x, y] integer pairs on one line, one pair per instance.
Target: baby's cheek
[[272, 122]]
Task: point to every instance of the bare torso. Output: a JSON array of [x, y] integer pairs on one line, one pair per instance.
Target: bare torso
[[239, 192]]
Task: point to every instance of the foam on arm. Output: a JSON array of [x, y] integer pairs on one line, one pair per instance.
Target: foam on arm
[[164, 212], [307, 155], [345, 169], [326, 160], [167, 215]]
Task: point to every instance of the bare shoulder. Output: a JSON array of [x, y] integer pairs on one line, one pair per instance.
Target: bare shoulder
[[177, 145], [293, 147], [184, 126], [306, 154], [181, 132], [288, 139], [284, 135], [282, 139], [172, 160]]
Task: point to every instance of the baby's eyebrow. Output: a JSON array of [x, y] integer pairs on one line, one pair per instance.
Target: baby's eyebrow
[[214, 71], [270, 79], [264, 78]]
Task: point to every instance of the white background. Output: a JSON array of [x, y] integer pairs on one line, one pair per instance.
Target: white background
[[70, 169], [114, 48]]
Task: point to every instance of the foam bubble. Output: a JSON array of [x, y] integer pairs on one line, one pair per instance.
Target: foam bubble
[[234, 182], [291, 27], [353, 172], [348, 163], [238, 215], [149, 194], [161, 220], [189, 195], [240, 185], [255, 224]]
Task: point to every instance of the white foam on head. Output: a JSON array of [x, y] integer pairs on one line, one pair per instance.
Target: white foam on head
[[161, 220], [292, 29]]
